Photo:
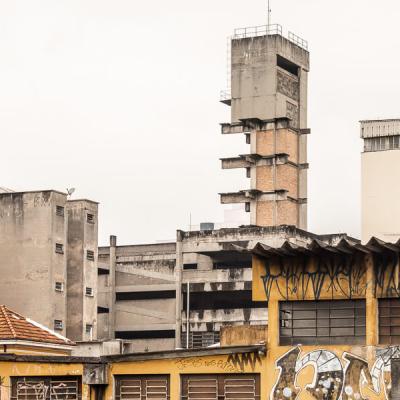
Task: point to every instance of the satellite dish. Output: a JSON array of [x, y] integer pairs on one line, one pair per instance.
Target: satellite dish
[[70, 191]]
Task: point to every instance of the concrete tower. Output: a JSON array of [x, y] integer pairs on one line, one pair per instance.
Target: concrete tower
[[269, 105]]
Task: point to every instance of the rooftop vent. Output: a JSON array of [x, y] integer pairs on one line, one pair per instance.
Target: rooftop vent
[[206, 226]]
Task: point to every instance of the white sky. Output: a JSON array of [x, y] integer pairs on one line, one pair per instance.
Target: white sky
[[119, 99]]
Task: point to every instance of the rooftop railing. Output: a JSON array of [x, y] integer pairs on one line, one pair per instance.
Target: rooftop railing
[[264, 30]]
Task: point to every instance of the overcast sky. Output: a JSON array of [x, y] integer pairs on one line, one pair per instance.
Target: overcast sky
[[119, 99]]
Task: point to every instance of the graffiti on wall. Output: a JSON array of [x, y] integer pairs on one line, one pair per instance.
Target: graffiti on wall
[[334, 378], [386, 269], [294, 278]]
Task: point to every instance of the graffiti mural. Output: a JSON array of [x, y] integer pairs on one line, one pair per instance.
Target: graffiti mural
[[334, 378], [295, 278]]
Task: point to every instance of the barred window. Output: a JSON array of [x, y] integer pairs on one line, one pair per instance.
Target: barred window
[[389, 321], [59, 248], [90, 255], [142, 387], [90, 218], [322, 322], [60, 211]]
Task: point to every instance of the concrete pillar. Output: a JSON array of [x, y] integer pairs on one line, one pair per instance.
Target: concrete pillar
[[178, 296], [273, 324], [111, 284], [371, 304]]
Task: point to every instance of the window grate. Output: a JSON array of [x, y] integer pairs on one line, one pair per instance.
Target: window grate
[[59, 248], [90, 218], [89, 291], [60, 211], [322, 322], [142, 387], [389, 321], [59, 286], [58, 325], [90, 255]]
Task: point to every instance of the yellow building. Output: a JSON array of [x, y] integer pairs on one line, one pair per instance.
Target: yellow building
[[333, 334]]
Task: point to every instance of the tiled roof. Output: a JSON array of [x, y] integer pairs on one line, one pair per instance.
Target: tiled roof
[[14, 326]]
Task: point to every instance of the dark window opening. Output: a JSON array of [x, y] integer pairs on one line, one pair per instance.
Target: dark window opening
[[58, 325], [248, 174], [90, 218], [150, 295], [389, 321], [248, 140], [287, 65], [222, 300], [166, 334], [102, 310], [90, 255], [247, 206], [60, 211], [190, 266], [103, 271], [232, 264], [322, 322]]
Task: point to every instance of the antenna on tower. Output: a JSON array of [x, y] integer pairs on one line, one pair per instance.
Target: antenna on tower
[[268, 15]]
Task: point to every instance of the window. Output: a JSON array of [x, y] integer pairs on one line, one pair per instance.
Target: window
[[89, 291], [190, 266], [58, 325], [287, 65], [221, 387], [389, 321], [46, 388], [90, 255], [248, 172], [89, 328], [59, 248], [248, 140], [59, 286], [322, 322], [247, 206], [142, 387], [60, 211], [381, 143], [90, 218]]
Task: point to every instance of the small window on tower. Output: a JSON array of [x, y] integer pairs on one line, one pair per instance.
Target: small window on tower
[[89, 291], [59, 286], [248, 172], [59, 248], [58, 325], [60, 211], [248, 138], [90, 218], [247, 207], [90, 255]]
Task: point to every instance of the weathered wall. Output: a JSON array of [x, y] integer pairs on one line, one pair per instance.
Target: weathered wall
[[29, 231], [82, 272]]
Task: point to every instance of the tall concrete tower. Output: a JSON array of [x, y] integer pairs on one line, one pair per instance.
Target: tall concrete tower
[[268, 100]]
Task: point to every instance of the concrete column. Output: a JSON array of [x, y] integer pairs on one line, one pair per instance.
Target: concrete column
[[111, 284], [273, 324], [178, 296], [371, 305]]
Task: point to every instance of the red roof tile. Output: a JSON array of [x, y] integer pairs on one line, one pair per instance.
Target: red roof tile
[[14, 326]]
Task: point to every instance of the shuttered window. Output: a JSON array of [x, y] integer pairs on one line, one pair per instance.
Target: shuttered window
[[220, 387], [45, 388], [141, 387], [389, 321], [322, 322]]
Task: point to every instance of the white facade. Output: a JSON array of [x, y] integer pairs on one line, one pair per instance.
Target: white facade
[[380, 178]]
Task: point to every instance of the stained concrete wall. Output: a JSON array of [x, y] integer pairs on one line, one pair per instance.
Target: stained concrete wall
[[82, 272], [29, 263], [380, 193]]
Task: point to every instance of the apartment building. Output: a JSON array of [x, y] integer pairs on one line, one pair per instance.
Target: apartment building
[[48, 247]]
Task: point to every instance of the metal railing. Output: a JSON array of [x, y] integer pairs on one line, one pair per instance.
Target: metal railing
[[298, 40], [261, 30]]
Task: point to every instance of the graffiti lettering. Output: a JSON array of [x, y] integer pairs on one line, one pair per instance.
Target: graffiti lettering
[[335, 274], [241, 360], [332, 381]]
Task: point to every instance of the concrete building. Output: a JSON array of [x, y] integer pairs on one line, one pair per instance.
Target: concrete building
[[268, 100], [380, 174], [48, 248], [142, 289]]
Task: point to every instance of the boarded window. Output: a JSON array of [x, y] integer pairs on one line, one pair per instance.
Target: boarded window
[[46, 388], [220, 387], [322, 322], [141, 387], [389, 321]]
